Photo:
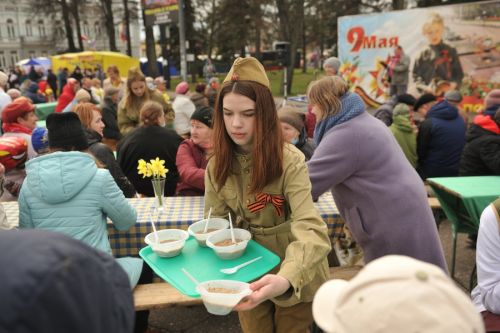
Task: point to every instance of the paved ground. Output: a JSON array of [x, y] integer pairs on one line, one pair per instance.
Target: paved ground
[[197, 320]]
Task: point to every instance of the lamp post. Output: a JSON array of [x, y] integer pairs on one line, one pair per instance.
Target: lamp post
[[182, 40]]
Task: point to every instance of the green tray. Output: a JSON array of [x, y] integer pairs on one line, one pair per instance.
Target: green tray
[[204, 265]]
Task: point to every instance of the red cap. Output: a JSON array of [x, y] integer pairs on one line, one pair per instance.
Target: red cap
[[16, 109]]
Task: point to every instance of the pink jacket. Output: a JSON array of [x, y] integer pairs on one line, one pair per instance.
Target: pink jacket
[[191, 164]]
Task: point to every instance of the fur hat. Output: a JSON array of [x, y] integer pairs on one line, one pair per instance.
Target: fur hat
[[182, 88], [247, 69], [406, 99], [401, 110], [40, 140], [492, 99], [18, 108], [332, 62], [3, 79], [66, 131], [82, 95], [424, 99], [203, 114], [292, 116], [453, 96]]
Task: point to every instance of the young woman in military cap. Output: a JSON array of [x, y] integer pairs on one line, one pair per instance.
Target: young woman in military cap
[[263, 183]]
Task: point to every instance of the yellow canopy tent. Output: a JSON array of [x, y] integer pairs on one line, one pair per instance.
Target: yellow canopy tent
[[90, 59]]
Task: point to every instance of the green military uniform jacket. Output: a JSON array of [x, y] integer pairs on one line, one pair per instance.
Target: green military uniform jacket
[[128, 119], [299, 236]]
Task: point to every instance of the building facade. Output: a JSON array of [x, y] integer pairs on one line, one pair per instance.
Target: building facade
[[26, 31]]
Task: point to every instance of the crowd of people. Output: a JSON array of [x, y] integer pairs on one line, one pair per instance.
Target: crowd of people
[[229, 143]]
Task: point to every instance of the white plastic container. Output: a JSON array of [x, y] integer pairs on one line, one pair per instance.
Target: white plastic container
[[232, 251], [197, 227], [174, 240], [222, 303]]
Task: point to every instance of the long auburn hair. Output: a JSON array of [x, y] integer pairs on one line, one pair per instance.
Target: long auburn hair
[[267, 150], [131, 100]]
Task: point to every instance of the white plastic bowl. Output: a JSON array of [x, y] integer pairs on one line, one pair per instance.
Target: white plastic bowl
[[218, 302], [231, 251], [177, 238], [197, 227]]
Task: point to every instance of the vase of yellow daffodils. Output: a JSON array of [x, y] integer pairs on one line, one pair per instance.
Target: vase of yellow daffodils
[[157, 171]]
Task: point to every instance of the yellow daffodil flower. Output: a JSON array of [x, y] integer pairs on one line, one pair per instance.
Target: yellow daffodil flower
[[156, 168], [143, 168]]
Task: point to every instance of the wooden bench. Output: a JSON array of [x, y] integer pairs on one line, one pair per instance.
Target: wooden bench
[[163, 295], [434, 203]]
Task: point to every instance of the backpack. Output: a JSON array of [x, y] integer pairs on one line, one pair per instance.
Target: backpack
[[13, 152]]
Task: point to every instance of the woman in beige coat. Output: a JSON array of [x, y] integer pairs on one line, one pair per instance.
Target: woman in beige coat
[[257, 177]]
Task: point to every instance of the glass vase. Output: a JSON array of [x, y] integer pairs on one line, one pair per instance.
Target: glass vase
[[159, 190]]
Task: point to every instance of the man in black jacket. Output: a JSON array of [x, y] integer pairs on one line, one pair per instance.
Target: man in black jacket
[[481, 156], [440, 141]]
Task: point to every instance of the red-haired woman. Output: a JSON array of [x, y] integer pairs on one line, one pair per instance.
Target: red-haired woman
[[91, 119], [136, 95], [251, 164]]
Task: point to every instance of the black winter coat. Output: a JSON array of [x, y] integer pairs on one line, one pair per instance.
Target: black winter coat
[[481, 156], [148, 143], [109, 118], [105, 155]]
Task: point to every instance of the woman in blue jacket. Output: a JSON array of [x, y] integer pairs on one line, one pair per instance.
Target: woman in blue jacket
[[65, 191]]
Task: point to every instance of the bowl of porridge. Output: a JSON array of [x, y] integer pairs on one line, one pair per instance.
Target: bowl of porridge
[[221, 296], [170, 242], [223, 245], [215, 225]]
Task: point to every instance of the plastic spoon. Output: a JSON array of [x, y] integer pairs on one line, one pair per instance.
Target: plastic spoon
[[154, 228], [208, 220], [231, 229], [196, 282], [234, 269]]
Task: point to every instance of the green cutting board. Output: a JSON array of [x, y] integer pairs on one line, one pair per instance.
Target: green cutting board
[[204, 265]]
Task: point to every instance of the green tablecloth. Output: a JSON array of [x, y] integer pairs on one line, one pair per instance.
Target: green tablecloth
[[463, 199], [40, 123], [44, 109]]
